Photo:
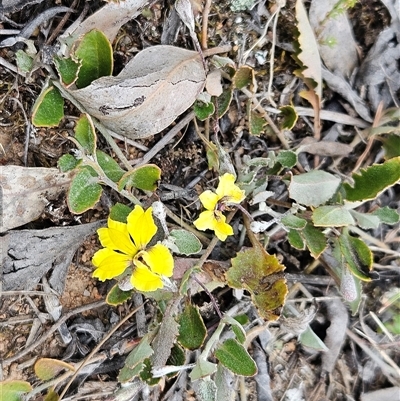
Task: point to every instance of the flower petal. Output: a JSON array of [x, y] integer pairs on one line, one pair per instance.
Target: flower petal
[[109, 264], [222, 229], [159, 259], [206, 221], [116, 237], [145, 280], [209, 199], [141, 226], [228, 189]]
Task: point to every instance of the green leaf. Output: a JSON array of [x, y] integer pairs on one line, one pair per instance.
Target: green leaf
[[47, 368], [67, 69], [236, 327], [224, 101], [235, 357], [141, 352], [177, 358], [12, 390], [146, 374], [95, 53], [24, 61], [51, 396], [243, 77], [332, 216], [373, 180], [366, 221], [287, 158], [110, 167], [84, 192], [144, 177], [315, 240], [85, 133], [192, 330], [127, 374], [357, 255], [256, 121], [68, 162], [119, 212], [290, 117], [387, 215], [309, 339], [296, 240], [186, 242], [48, 109], [117, 297], [261, 274], [203, 110], [292, 221], [203, 368], [391, 145], [314, 188]]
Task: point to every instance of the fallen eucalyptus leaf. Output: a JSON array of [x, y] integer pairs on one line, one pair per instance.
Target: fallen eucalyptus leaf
[[25, 191], [108, 19], [154, 88], [334, 35]]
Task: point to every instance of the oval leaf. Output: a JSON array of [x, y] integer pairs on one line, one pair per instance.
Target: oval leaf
[[110, 167], [192, 330], [67, 69], [95, 53], [154, 88], [48, 109], [260, 274], [235, 357], [117, 297], [186, 242], [85, 134], [373, 180], [84, 192], [314, 188], [47, 368], [332, 216], [12, 390], [144, 178]]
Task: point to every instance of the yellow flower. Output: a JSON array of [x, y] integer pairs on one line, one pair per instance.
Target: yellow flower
[[125, 245], [215, 203]]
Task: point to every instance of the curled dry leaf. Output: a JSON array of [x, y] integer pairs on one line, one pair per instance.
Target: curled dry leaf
[[154, 88]]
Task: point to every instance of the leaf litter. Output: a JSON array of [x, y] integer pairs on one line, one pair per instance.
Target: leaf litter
[[377, 64]]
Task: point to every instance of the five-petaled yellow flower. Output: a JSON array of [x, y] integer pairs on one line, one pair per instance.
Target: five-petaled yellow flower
[[215, 203], [126, 245]]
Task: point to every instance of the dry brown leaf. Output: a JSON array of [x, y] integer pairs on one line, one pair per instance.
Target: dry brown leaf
[[335, 39], [108, 19], [154, 88], [324, 148], [26, 191]]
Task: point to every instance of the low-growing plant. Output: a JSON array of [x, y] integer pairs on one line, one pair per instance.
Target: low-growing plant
[[325, 216]]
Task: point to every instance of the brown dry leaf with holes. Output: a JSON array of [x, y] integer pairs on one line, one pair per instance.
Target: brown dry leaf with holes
[[154, 88]]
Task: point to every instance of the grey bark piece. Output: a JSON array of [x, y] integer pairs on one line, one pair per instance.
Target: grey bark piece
[[13, 6], [29, 254]]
